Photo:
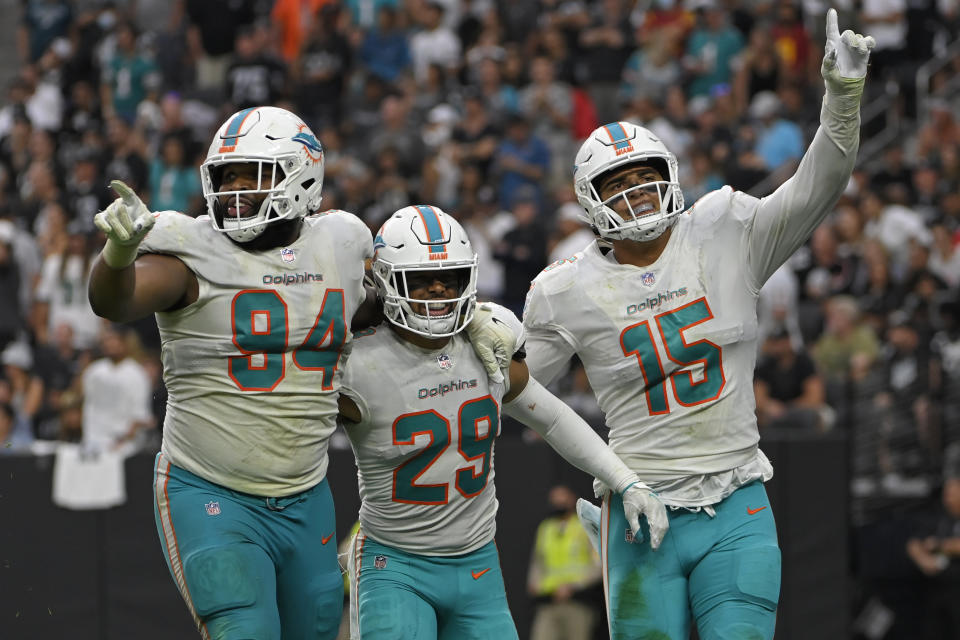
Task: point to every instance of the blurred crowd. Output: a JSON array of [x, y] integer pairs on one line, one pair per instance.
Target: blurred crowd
[[478, 107]]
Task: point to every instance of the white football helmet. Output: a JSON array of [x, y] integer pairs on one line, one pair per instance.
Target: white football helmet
[[423, 238], [610, 147], [274, 139]]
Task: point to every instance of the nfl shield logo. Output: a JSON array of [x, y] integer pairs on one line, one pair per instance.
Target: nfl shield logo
[[444, 361], [628, 535], [287, 254], [379, 562], [647, 278], [213, 508]]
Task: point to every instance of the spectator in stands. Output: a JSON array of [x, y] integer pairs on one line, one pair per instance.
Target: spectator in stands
[[385, 51], [571, 233], [11, 316], [213, 26], [85, 192], [779, 142], [847, 346], [523, 250], [758, 67], [521, 159], [604, 45], [711, 49], [322, 70], [935, 550], [789, 391], [63, 286], [254, 77], [436, 43], [57, 364], [652, 69], [902, 403], [129, 77], [548, 105], [116, 397], [174, 181], [945, 257], [43, 22], [564, 573]]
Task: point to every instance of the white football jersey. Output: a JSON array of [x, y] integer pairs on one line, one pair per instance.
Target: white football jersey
[[670, 348], [253, 367], [424, 445]]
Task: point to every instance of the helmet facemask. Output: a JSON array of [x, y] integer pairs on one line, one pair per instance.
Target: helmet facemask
[[288, 160], [639, 221], [611, 148], [270, 190], [432, 318]]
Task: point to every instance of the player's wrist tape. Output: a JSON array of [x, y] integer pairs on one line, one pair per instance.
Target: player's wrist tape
[[118, 256], [843, 95]]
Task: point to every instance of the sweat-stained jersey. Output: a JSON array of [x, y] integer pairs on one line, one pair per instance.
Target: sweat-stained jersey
[[670, 348], [253, 367], [424, 445]]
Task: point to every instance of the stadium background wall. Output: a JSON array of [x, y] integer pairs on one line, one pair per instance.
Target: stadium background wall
[[99, 575]]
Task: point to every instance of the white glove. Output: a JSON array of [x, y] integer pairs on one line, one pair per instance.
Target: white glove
[[493, 340], [125, 222], [638, 499], [845, 60], [589, 515]]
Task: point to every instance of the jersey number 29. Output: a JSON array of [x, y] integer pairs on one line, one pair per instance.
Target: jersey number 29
[[470, 443]]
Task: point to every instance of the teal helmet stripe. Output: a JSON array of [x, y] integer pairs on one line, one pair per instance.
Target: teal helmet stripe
[[229, 140], [617, 135], [431, 222]]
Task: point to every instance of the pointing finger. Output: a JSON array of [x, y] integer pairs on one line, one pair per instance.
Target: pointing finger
[[833, 31], [129, 197]]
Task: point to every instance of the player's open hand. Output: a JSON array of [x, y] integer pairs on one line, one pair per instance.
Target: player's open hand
[[846, 55], [125, 222], [639, 499], [494, 341]]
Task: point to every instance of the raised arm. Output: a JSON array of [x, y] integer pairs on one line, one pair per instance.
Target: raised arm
[[788, 216], [123, 287]]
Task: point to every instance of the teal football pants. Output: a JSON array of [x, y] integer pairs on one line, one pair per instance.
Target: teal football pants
[[417, 597], [723, 572], [248, 567]]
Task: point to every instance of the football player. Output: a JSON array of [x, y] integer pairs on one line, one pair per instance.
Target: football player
[[661, 310], [422, 417], [253, 303]]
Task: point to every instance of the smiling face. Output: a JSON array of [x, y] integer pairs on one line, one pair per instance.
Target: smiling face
[[642, 200], [433, 285], [242, 176]]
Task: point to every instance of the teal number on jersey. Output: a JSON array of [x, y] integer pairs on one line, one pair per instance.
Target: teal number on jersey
[[260, 326], [259, 332], [638, 340], [478, 429], [477, 424], [703, 352], [405, 429], [321, 350]]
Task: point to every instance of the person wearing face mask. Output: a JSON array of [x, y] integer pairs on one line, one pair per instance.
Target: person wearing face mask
[[564, 575]]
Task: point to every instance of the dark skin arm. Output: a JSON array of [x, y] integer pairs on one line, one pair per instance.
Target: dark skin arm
[[152, 283]]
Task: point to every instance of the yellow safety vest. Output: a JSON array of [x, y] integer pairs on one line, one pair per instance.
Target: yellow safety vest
[[566, 554]]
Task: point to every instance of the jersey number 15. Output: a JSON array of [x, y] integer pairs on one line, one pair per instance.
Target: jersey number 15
[[638, 340]]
